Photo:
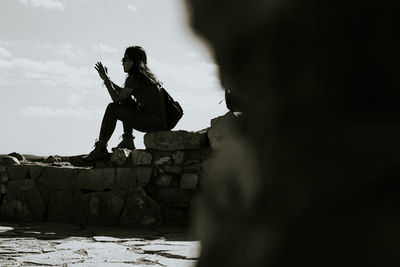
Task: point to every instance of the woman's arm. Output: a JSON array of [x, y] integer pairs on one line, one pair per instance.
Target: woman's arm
[[119, 95], [116, 87]]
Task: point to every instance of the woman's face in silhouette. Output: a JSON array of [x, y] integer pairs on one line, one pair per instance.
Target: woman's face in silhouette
[[127, 63]]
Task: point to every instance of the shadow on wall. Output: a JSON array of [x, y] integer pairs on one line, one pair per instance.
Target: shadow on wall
[[310, 175]]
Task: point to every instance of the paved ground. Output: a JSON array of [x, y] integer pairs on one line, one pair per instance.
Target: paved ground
[[68, 245]]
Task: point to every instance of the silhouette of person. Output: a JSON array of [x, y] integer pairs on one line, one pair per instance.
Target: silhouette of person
[[139, 104]]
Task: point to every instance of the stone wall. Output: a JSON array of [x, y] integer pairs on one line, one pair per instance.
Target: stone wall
[[144, 187]]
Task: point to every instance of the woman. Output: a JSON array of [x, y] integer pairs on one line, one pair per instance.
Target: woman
[[139, 104]]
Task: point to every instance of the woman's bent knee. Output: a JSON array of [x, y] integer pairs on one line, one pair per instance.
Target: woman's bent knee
[[112, 106]]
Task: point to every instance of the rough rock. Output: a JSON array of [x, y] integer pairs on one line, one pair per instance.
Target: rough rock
[[23, 202], [120, 156], [189, 181], [35, 171], [3, 174], [103, 208], [53, 159], [18, 172], [173, 140], [96, 179], [178, 157], [54, 178], [140, 210], [61, 206], [172, 169], [143, 175], [9, 160], [172, 195], [3, 177], [163, 160], [175, 181], [191, 161], [163, 180], [220, 130], [18, 156], [140, 157], [125, 178], [174, 213], [195, 167]]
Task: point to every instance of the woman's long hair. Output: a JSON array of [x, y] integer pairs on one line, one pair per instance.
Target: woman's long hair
[[140, 70]]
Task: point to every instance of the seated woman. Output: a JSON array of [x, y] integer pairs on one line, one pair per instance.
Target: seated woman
[[139, 104]]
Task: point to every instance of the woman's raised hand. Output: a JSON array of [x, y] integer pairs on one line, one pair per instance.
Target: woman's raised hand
[[102, 71]]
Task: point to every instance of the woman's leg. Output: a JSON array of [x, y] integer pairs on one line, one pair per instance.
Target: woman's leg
[[109, 122], [130, 117], [127, 128]]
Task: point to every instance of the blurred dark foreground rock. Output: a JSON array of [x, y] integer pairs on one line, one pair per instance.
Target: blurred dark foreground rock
[[311, 175]]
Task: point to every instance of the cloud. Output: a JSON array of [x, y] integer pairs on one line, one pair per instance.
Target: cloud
[[44, 112], [45, 4], [54, 73], [104, 48], [4, 53], [75, 99], [193, 78], [132, 8], [65, 50]]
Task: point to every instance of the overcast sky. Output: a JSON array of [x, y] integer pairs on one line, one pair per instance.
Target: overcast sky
[[51, 98]]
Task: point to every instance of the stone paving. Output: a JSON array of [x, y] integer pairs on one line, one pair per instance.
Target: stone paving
[[47, 244]]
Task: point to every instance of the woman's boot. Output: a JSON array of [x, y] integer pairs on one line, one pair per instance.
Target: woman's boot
[[99, 152], [127, 142]]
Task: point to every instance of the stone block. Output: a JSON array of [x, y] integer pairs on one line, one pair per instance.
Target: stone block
[[173, 140], [172, 195], [220, 130], [96, 179], [3, 189], [35, 171], [3, 169], [9, 160], [143, 175], [163, 180], [178, 157], [54, 178], [189, 181], [174, 213], [18, 172], [23, 202], [191, 161], [140, 210], [140, 157], [103, 208], [175, 182], [172, 169], [195, 167], [125, 178], [163, 160], [18, 156], [61, 206], [4, 177], [120, 156]]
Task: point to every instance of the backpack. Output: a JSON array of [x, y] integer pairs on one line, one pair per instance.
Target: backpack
[[174, 111]]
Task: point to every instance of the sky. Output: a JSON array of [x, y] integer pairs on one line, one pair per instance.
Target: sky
[[51, 98]]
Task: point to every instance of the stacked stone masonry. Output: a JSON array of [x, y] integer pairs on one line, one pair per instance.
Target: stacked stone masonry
[[144, 187]]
